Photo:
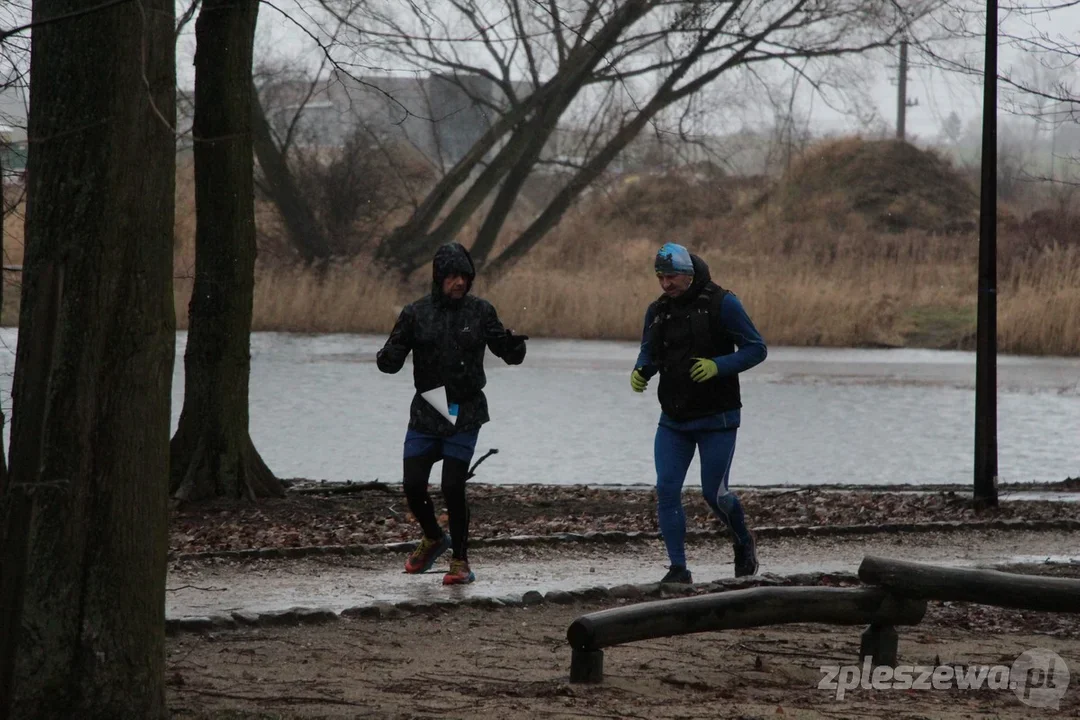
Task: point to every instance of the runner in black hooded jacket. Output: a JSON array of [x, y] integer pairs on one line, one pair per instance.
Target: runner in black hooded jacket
[[447, 332]]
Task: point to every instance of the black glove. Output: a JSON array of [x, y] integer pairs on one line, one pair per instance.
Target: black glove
[[513, 339]]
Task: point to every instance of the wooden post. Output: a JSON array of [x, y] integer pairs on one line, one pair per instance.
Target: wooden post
[[586, 666], [879, 643]]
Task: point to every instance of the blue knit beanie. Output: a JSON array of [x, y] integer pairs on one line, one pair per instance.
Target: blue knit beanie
[[673, 259]]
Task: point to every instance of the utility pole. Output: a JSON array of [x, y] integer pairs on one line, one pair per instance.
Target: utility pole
[[902, 103], [986, 467]]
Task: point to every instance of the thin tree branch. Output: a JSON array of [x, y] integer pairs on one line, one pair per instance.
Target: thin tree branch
[[5, 34]]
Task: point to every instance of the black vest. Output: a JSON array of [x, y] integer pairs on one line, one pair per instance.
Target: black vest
[[681, 331]]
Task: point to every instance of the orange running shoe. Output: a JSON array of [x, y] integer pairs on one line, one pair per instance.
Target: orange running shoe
[[459, 573]]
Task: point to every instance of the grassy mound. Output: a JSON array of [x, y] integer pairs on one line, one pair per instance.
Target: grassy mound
[[668, 200], [884, 185]]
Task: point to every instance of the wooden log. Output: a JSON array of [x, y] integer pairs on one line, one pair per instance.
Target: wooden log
[[754, 607], [987, 587]]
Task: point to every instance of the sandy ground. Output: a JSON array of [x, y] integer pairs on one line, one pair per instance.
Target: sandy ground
[[514, 663]]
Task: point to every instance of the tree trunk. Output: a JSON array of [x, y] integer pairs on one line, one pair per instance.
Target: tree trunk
[[664, 96], [212, 452], [3, 279], [84, 533], [296, 213], [410, 241], [540, 130], [562, 201]]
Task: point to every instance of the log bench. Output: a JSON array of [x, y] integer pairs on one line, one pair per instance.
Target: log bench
[[896, 593], [753, 607]]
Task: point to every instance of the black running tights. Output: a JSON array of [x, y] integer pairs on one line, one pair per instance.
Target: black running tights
[[454, 472]]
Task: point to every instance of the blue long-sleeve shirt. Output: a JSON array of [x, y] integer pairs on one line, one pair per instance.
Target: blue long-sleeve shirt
[[750, 351]]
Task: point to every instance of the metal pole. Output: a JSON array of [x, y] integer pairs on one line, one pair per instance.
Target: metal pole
[[901, 93], [986, 468]]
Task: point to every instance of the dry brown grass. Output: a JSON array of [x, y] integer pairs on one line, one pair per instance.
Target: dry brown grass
[[840, 291], [13, 225], [805, 282]]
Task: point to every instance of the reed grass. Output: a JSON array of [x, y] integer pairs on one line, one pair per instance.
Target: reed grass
[[829, 280], [836, 291]]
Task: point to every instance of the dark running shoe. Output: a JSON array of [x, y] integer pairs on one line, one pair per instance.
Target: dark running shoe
[[677, 574], [746, 558]]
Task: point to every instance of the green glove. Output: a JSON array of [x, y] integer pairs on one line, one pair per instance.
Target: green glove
[[704, 369], [638, 382]]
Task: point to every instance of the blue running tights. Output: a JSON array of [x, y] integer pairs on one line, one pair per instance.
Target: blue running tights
[[673, 452]]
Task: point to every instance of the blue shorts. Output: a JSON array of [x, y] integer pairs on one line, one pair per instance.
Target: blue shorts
[[460, 446]]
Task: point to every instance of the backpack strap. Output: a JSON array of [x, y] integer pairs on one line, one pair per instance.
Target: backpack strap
[[701, 317], [656, 328]]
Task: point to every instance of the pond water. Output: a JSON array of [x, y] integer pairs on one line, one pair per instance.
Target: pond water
[[320, 409]]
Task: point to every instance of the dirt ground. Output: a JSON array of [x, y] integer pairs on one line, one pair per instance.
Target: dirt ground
[[514, 663], [378, 514]]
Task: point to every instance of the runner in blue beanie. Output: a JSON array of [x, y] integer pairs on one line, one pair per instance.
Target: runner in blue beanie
[[697, 338]]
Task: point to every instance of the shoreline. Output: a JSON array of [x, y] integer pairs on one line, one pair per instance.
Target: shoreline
[[1068, 485], [949, 346]]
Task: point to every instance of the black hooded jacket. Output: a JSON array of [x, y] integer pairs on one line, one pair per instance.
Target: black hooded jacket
[[447, 338], [686, 327]]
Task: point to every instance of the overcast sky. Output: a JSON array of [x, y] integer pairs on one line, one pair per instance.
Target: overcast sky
[[938, 93]]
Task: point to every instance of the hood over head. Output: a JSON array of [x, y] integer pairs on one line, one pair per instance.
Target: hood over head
[[701, 277], [451, 259]]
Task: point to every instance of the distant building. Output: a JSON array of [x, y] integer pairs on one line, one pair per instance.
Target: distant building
[[440, 116]]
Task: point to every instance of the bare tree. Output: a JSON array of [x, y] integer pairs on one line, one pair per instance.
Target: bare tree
[[350, 175], [522, 122], [14, 64], [355, 188], [3, 418], [84, 517], [715, 42], [952, 129], [279, 183], [1044, 90], [212, 452], [1041, 86], [545, 58]]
